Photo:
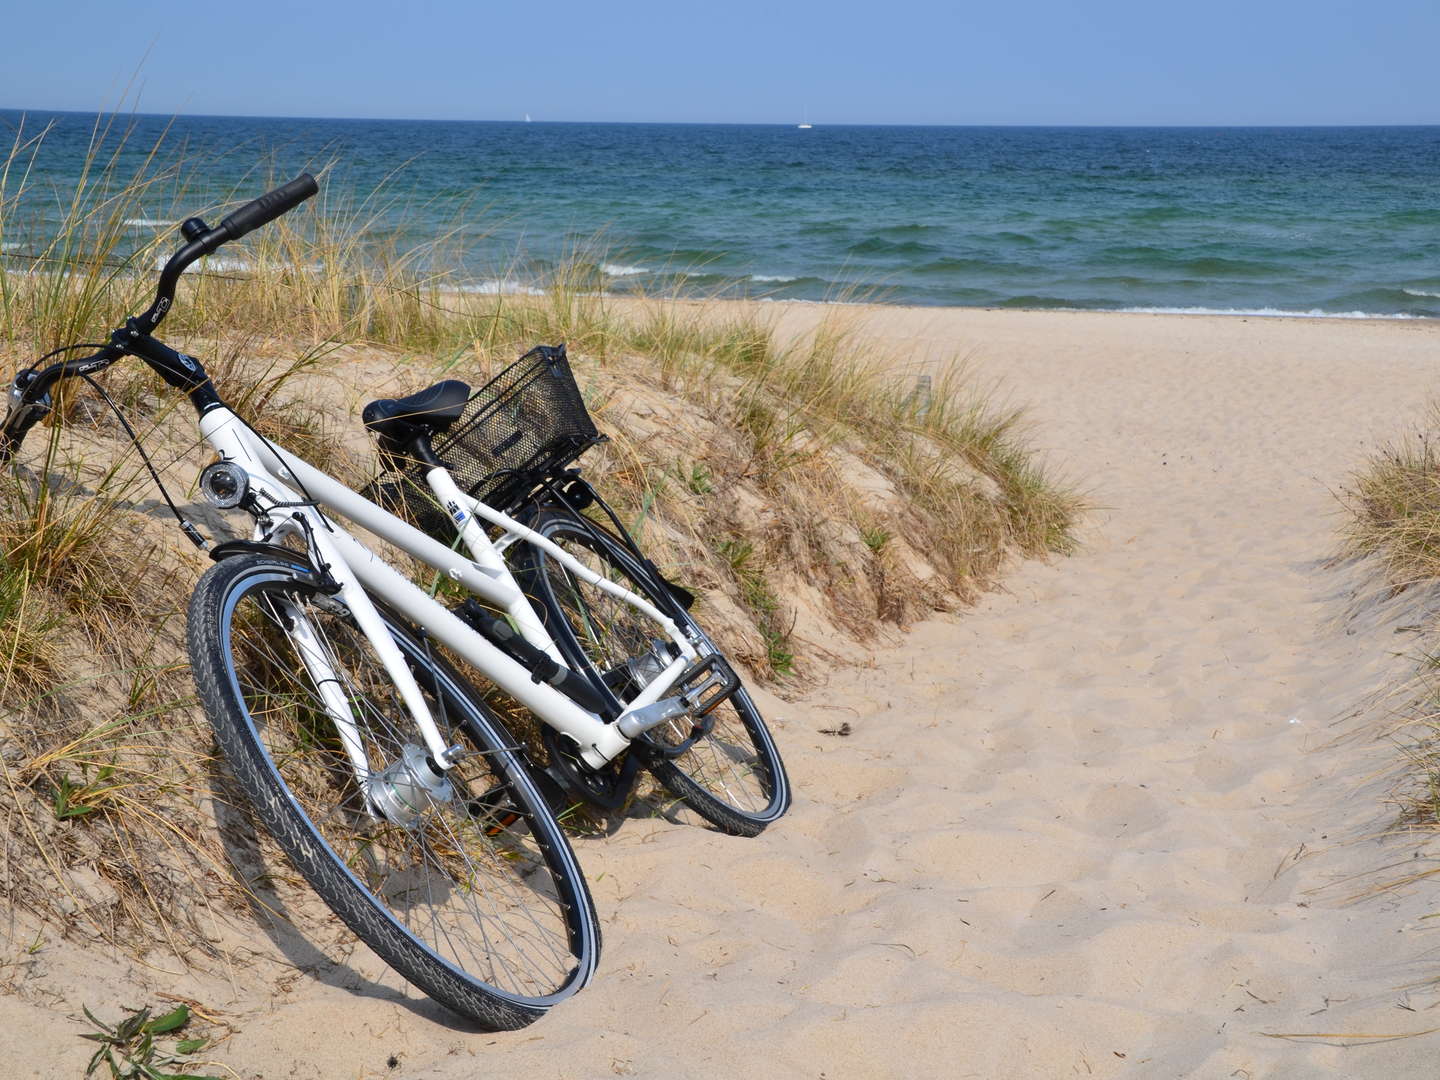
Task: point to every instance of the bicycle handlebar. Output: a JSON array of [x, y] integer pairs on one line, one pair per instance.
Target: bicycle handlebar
[[30, 391], [269, 206], [203, 241]]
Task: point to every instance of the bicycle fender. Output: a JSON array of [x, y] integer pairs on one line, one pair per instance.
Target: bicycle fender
[[230, 548]]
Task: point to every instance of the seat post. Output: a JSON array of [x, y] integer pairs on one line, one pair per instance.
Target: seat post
[[419, 449]]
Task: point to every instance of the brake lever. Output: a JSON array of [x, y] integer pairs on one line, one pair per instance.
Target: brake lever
[[21, 415]]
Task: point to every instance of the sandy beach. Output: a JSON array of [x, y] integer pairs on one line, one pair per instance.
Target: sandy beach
[[1112, 821]]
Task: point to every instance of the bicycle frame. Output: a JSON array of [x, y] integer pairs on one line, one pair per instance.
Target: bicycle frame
[[290, 492]]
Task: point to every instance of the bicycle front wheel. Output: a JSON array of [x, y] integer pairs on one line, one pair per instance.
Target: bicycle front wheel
[[733, 777], [470, 892]]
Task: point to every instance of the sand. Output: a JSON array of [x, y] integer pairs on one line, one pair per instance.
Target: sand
[[1103, 824]]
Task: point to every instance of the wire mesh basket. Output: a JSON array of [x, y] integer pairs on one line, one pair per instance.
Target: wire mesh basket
[[522, 427]]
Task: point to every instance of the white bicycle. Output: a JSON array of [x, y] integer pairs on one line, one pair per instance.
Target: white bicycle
[[332, 684]]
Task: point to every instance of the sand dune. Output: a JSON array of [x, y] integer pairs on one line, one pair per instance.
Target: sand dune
[[1097, 826]]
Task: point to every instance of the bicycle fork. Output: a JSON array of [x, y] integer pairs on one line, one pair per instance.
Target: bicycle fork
[[397, 791]]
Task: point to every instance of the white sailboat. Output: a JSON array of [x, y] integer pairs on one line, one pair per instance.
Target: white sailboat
[[805, 124]]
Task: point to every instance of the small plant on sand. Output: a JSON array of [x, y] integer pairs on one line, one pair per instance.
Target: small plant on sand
[[131, 1048], [697, 478], [875, 538], [77, 800], [760, 599]]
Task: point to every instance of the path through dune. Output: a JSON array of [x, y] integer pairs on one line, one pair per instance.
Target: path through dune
[[1063, 836]]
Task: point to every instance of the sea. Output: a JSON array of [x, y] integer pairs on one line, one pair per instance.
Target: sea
[[1337, 221]]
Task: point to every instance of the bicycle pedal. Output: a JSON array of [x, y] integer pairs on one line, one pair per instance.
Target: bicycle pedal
[[706, 683], [701, 687]]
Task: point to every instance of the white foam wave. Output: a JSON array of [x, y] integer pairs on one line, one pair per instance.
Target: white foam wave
[[235, 264], [147, 223], [777, 279], [500, 288], [216, 264], [9, 247], [219, 264], [621, 270], [1265, 313], [1421, 292], [827, 303]]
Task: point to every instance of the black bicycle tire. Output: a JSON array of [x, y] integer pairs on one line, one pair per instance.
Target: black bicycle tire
[[490, 1007], [670, 772]]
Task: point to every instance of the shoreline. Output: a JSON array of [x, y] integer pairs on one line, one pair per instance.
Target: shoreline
[[1218, 313], [506, 288]]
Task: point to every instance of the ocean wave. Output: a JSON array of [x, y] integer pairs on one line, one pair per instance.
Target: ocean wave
[[215, 264], [1419, 216], [1216, 266], [235, 264], [621, 270], [1033, 302], [1129, 253], [1387, 298], [499, 288], [799, 300], [1208, 268], [916, 228], [773, 279], [822, 228], [147, 223], [671, 256], [1268, 313], [968, 267], [878, 245], [1160, 213]]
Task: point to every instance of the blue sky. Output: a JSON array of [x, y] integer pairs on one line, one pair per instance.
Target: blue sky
[[904, 61]]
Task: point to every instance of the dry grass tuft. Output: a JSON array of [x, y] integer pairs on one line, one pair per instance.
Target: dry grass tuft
[[1393, 517], [1394, 507]]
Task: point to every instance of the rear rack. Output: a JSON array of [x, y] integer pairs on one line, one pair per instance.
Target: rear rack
[[517, 431]]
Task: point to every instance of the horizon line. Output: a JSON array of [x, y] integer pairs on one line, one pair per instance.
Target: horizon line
[[713, 123]]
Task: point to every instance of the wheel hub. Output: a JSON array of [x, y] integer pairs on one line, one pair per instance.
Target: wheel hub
[[408, 786]]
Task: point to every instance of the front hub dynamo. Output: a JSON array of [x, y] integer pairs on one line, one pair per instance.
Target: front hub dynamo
[[409, 786]]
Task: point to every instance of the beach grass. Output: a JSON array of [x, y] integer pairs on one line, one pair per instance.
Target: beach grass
[[1393, 517], [1394, 506]]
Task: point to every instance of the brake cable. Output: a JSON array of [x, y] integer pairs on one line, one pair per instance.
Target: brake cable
[[57, 352], [186, 526], [68, 348]]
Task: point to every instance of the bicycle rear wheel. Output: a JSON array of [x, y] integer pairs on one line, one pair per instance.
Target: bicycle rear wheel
[[733, 777], [477, 898]]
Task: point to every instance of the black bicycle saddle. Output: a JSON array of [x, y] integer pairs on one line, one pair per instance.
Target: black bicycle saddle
[[432, 410]]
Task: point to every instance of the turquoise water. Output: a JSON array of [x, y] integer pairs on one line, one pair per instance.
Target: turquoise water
[[1310, 220]]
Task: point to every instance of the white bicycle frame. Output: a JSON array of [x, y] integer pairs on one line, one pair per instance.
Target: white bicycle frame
[[290, 492]]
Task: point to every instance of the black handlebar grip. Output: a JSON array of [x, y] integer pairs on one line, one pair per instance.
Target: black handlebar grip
[[269, 206]]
